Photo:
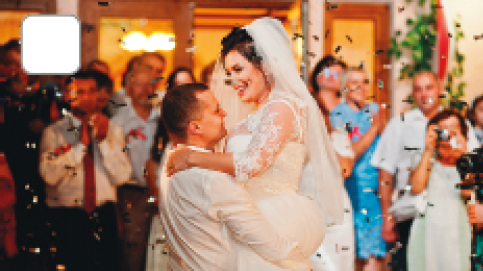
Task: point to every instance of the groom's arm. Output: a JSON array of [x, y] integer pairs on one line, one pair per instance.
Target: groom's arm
[[231, 204]]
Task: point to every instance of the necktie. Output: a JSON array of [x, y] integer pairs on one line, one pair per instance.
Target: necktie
[[89, 181]]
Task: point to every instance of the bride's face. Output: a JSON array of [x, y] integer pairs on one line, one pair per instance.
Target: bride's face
[[246, 78]]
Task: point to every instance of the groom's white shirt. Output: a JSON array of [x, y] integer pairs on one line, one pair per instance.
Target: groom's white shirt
[[201, 209]]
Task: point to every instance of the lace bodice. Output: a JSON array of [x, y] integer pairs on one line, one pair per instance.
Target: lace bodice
[[268, 147]]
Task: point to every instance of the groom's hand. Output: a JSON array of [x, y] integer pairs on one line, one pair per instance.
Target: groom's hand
[[178, 160]]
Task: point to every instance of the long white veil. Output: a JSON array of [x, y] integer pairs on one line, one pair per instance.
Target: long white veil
[[272, 43]]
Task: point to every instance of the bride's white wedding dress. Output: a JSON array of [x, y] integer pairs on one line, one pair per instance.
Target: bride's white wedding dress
[[269, 156]]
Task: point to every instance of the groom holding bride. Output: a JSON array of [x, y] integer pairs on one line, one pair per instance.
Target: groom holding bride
[[202, 210], [265, 202]]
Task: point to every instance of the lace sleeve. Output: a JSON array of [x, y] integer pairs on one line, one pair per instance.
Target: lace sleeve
[[280, 121]]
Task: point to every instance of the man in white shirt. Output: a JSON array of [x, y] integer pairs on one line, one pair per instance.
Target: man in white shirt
[[401, 139], [202, 209], [138, 119], [82, 164]]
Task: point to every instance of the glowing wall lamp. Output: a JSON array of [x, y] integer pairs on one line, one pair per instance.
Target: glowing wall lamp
[[157, 41]]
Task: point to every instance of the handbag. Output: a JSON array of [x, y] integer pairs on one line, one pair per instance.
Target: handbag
[[408, 206]]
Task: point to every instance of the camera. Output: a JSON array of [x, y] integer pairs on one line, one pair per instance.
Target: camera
[[471, 163], [443, 134]]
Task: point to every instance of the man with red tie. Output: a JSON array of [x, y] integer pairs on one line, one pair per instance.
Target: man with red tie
[[82, 162]]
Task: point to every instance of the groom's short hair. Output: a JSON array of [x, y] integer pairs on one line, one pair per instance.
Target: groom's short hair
[[179, 106]]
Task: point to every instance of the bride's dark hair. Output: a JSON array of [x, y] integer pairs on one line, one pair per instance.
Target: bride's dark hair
[[239, 40]]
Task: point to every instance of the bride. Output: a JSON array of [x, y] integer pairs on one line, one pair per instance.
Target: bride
[[281, 153]]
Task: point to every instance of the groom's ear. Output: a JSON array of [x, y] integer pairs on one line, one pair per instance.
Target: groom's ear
[[194, 128]]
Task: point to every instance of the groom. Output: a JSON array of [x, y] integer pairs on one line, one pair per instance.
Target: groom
[[203, 210]]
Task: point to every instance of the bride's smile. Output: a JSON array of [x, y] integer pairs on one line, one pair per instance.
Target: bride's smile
[[247, 78]]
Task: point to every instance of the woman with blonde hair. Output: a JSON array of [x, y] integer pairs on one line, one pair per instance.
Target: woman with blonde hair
[[364, 122]]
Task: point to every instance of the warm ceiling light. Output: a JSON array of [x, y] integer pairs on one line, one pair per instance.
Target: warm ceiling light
[[134, 41], [158, 41]]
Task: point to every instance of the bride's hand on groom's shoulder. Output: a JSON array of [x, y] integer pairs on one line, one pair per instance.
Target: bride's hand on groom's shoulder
[[178, 160]]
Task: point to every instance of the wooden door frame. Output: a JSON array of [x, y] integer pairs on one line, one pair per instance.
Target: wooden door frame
[[42, 6], [380, 15]]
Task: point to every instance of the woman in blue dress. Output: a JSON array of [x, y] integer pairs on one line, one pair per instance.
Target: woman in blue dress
[[364, 121]]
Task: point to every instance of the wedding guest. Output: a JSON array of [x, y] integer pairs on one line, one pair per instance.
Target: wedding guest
[[475, 115], [25, 115], [180, 76], [119, 96], [105, 93], [475, 216], [337, 249], [325, 81], [156, 62], [403, 135], [99, 65], [138, 119], [8, 243], [366, 121], [133, 63], [440, 237], [82, 164]]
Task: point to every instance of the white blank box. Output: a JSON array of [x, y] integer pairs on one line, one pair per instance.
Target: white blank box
[[51, 44]]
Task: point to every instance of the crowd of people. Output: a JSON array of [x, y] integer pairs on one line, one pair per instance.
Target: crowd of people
[[315, 178]]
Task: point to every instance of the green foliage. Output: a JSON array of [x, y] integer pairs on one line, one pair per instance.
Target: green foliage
[[420, 41], [456, 73]]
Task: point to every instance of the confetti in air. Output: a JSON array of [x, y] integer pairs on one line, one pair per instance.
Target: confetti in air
[[152, 96], [257, 58], [311, 54], [156, 79], [297, 35], [380, 84], [191, 50], [116, 104], [348, 38], [88, 27], [410, 149], [337, 49]]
